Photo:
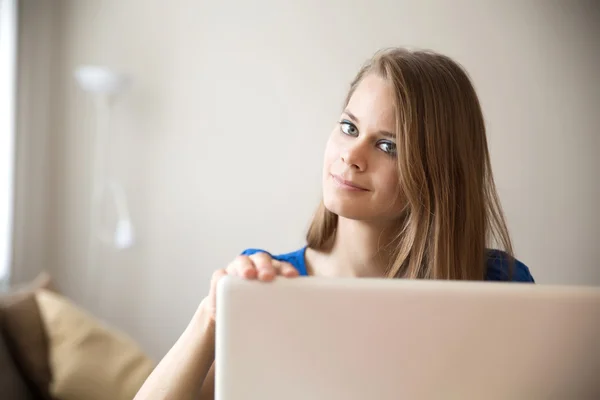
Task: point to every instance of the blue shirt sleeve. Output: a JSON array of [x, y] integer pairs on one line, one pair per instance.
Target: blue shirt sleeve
[[499, 268], [249, 252], [296, 258]]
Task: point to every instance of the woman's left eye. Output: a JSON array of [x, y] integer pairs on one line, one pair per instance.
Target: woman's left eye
[[388, 147], [349, 128]]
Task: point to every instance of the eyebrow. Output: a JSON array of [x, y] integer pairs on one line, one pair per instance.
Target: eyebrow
[[353, 117]]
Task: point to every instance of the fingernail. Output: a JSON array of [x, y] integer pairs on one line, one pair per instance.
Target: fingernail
[[265, 274]]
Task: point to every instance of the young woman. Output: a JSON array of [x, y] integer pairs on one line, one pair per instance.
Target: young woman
[[408, 192]]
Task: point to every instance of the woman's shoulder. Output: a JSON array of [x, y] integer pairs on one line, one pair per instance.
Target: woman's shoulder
[[500, 268], [296, 257]]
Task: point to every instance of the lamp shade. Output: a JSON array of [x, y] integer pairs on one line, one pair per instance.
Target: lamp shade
[[97, 79]]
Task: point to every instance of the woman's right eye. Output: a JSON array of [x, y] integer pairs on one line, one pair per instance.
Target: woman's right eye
[[349, 128]]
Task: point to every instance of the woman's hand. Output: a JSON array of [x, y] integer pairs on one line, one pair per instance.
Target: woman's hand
[[187, 370], [259, 266]]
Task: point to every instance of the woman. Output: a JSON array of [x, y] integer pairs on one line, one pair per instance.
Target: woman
[[407, 193]]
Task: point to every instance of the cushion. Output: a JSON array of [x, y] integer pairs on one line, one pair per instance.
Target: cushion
[[26, 289], [89, 359], [24, 333], [12, 384]]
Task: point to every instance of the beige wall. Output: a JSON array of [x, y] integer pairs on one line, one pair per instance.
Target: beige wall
[[219, 141]]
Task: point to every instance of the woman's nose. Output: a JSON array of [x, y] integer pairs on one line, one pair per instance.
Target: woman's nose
[[354, 156]]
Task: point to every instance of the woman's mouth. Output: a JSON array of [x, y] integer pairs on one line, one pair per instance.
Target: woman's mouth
[[348, 185]]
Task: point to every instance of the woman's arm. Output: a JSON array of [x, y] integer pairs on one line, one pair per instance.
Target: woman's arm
[[180, 374], [187, 371], [208, 387]]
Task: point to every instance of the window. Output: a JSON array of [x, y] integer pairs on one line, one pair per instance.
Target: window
[[8, 61]]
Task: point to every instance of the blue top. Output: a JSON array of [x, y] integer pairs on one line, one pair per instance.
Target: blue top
[[497, 265]]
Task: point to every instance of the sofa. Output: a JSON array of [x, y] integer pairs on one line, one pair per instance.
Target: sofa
[[51, 349]]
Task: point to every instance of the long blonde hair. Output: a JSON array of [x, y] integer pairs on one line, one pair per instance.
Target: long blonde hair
[[452, 210]]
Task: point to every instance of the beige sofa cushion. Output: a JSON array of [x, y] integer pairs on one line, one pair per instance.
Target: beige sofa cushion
[[89, 360], [12, 384], [24, 333]]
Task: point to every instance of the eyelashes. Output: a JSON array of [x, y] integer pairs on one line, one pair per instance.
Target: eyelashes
[[388, 147], [349, 129]]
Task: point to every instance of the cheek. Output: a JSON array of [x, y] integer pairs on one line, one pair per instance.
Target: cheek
[[331, 154], [389, 181]]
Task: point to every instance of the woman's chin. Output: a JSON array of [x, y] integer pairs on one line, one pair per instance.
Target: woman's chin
[[359, 211], [348, 211]]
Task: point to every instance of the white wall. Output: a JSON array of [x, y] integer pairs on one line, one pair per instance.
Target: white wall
[[219, 141]]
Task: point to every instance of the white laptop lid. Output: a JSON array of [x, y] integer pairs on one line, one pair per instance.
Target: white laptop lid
[[322, 338]]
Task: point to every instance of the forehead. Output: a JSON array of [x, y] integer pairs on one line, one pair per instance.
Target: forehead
[[373, 103]]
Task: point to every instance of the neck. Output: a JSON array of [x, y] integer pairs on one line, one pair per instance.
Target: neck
[[358, 250]]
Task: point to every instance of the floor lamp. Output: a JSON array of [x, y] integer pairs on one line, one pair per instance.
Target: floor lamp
[[104, 86]]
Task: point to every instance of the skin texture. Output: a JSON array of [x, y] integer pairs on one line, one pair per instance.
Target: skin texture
[[361, 149]]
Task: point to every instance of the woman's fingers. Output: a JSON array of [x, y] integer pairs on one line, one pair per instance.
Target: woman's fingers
[[286, 269], [258, 265], [268, 268], [216, 276], [242, 266], [264, 266]]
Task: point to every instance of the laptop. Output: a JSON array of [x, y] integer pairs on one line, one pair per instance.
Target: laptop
[[356, 339]]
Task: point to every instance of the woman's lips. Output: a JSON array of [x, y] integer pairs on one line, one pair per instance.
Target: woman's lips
[[347, 185]]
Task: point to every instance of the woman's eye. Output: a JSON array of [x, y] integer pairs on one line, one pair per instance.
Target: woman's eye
[[349, 128], [388, 147]]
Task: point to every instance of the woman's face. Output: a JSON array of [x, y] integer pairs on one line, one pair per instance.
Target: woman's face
[[360, 172]]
